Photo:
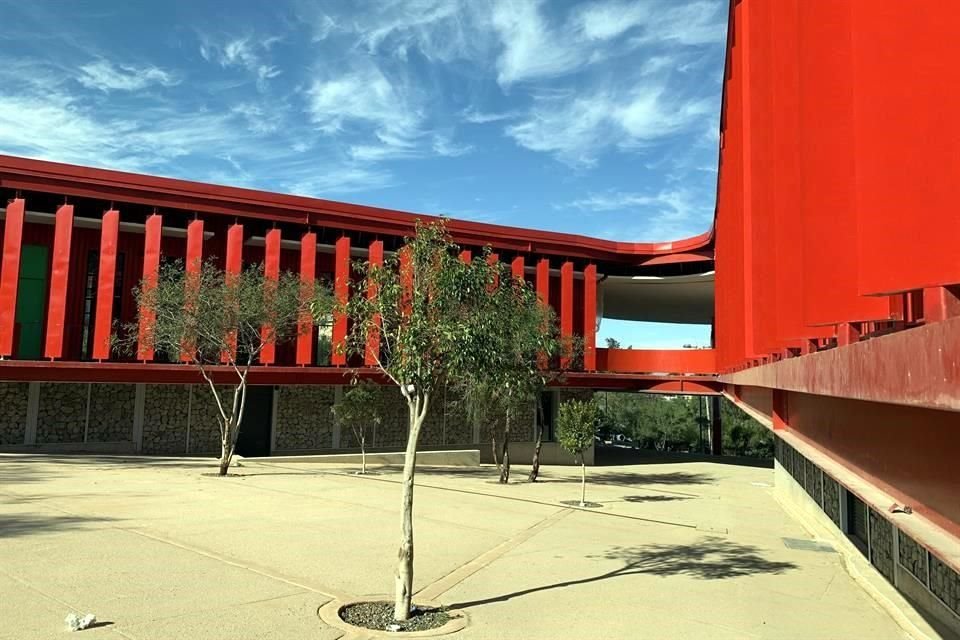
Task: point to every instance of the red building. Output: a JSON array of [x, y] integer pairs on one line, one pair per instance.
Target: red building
[[837, 286]]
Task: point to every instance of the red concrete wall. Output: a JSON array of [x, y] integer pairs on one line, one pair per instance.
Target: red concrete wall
[[909, 452]]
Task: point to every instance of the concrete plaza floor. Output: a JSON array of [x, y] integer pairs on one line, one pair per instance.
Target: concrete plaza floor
[[157, 549]]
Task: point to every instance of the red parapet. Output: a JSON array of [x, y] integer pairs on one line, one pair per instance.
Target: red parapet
[[153, 233], [308, 274], [342, 292], [590, 317], [372, 356], [10, 275], [659, 361], [271, 274], [103, 324], [906, 137], [59, 281]]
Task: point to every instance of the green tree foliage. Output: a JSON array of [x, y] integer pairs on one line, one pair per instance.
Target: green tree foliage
[[359, 409], [211, 318], [520, 333], [675, 423], [576, 428], [423, 306]]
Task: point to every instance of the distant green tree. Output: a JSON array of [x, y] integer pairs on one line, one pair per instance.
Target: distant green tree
[[742, 435], [576, 429], [359, 409], [613, 343]]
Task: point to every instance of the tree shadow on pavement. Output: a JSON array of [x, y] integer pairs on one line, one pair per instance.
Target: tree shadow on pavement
[[27, 524], [654, 498], [709, 559]]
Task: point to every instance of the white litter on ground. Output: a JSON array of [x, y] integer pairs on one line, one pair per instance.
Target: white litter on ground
[[75, 623]]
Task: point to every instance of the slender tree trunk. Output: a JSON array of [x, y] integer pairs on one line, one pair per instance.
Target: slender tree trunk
[[583, 482], [363, 453], [493, 445], [226, 450], [404, 578], [505, 457], [538, 427]]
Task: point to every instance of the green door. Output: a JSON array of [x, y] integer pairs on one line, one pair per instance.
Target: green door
[[31, 299]]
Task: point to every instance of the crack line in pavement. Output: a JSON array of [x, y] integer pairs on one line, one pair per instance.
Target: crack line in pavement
[[514, 498], [464, 571]]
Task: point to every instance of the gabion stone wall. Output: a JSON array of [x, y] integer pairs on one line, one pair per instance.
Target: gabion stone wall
[[111, 412], [881, 544], [13, 418], [945, 584], [393, 408], [204, 418], [166, 410], [62, 414], [304, 418], [913, 557], [942, 580]]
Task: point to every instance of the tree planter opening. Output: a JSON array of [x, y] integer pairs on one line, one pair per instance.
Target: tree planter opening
[[375, 618]]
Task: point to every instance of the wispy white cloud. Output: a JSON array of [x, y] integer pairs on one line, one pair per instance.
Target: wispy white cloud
[[576, 129], [245, 52], [104, 75], [667, 215], [475, 116]]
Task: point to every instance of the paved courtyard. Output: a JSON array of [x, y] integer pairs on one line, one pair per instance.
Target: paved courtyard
[[157, 549]]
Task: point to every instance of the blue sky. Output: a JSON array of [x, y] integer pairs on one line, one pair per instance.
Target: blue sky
[[589, 117]]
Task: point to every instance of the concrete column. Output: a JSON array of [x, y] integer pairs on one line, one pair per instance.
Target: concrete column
[[716, 428]]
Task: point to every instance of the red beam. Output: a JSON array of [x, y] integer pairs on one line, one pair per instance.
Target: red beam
[[271, 272], [372, 356], [109, 231], [153, 232], [10, 276], [59, 280], [342, 292], [566, 309], [308, 273], [234, 264], [919, 367], [662, 361], [590, 317]]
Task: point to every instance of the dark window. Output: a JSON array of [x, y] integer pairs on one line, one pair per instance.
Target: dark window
[[90, 298], [857, 522], [545, 414]]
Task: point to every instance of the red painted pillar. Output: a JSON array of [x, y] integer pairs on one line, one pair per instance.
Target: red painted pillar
[[234, 264], [342, 293], [59, 279], [566, 311], [517, 268], [848, 333], [492, 260], [466, 256], [194, 263], [153, 232], [940, 303], [109, 231], [308, 273], [372, 356], [10, 275], [543, 280], [543, 294], [271, 274], [590, 318]]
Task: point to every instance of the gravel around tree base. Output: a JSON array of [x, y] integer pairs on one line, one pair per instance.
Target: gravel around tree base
[[379, 616]]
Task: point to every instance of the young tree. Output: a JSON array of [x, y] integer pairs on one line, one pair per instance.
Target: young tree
[[521, 332], [207, 318], [358, 408], [421, 308], [576, 426], [573, 346]]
